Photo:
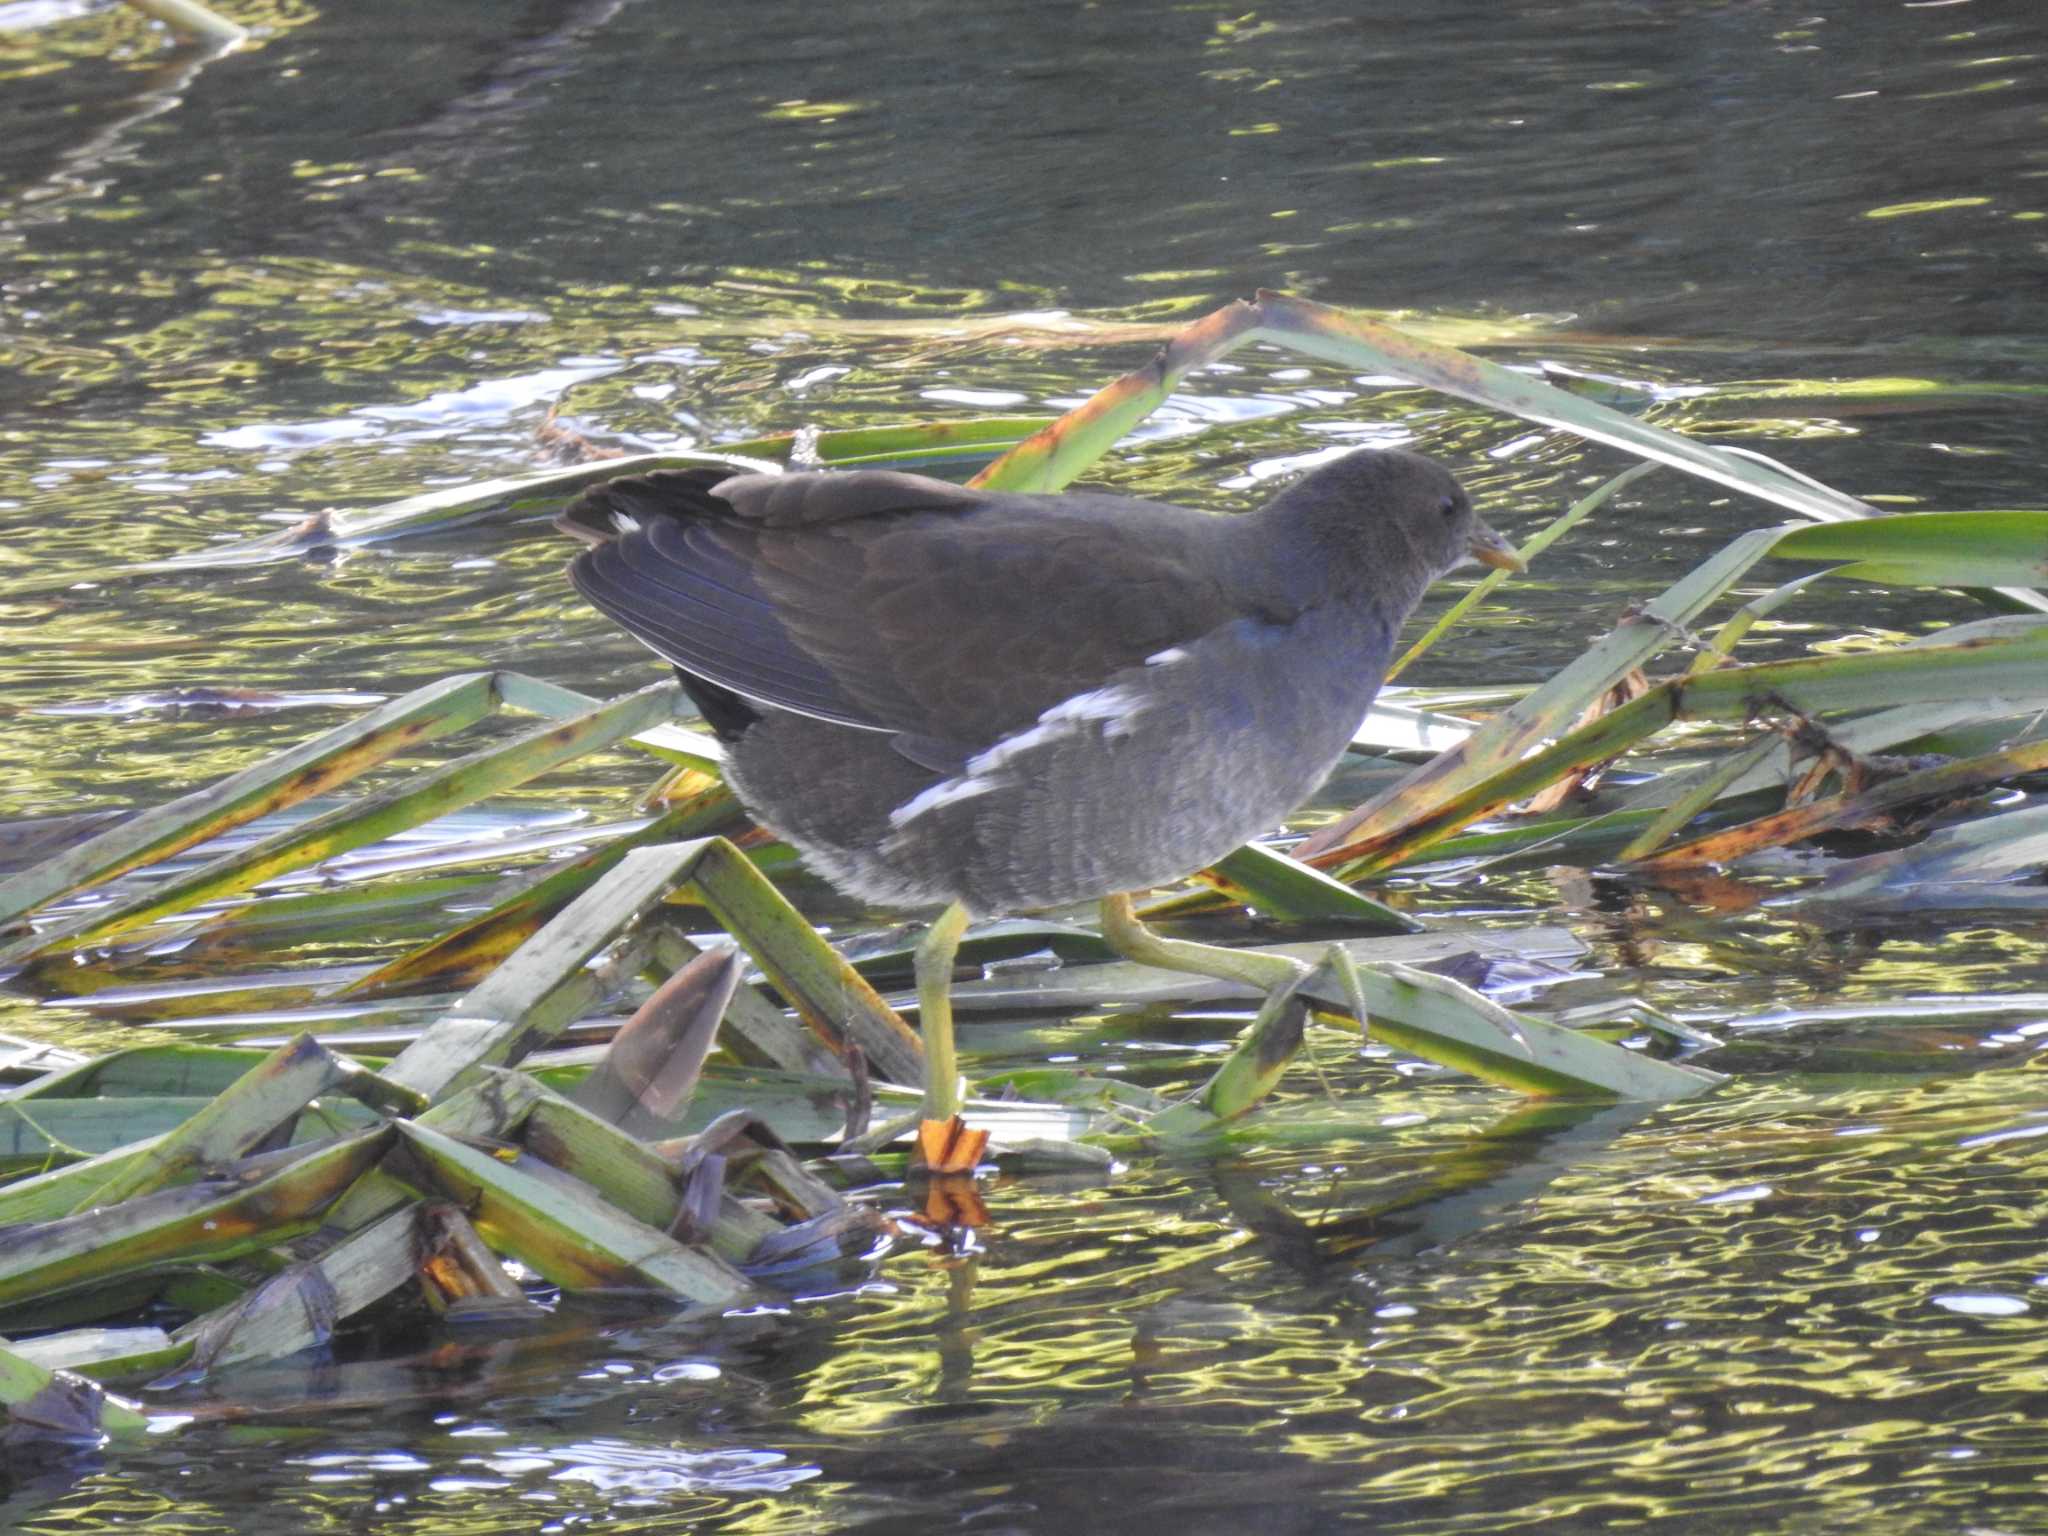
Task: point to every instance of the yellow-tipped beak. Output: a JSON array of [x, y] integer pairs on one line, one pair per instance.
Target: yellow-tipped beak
[[1489, 548]]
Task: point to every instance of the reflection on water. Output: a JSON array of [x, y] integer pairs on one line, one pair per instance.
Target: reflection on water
[[1789, 1309], [368, 255]]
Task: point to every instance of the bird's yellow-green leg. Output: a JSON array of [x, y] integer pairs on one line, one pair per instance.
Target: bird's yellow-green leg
[[1125, 933], [935, 952]]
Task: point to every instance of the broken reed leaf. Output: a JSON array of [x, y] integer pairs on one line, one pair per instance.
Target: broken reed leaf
[[103, 1354], [498, 1022], [61, 1402], [1797, 823], [494, 1022], [1254, 1067], [297, 1308], [294, 775], [797, 1193], [492, 1108], [1078, 987], [665, 739], [1987, 722], [1052, 457], [755, 1030], [1949, 867], [1442, 1020], [1544, 713], [253, 1204], [231, 1124], [1721, 645], [1931, 549], [1277, 886], [464, 957], [832, 998], [823, 1243], [1810, 686], [50, 1192], [405, 805], [637, 1178], [578, 1243], [457, 1268], [1581, 780], [69, 1141], [1714, 781], [921, 445], [654, 1060], [1909, 553], [254, 930]]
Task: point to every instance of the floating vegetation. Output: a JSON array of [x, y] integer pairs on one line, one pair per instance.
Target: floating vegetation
[[452, 1129]]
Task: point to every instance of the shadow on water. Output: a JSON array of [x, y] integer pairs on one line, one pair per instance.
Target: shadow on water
[[367, 256]]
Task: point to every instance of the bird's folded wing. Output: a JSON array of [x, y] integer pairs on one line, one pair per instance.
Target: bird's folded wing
[[946, 616]]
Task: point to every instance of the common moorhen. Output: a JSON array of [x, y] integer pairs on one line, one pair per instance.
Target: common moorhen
[[989, 701]]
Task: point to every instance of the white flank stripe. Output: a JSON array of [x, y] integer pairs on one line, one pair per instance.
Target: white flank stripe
[[1167, 657], [945, 792], [1116, 705]]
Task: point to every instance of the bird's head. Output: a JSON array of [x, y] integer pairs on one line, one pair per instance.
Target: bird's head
[[1387, 521]]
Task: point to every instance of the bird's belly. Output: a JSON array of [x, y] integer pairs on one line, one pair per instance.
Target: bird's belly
[[1099, 800], [1088, 823], [1157, 773], [1054, 840]]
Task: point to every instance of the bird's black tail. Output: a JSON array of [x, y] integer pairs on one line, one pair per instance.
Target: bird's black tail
[[610, 511], [727, 713]]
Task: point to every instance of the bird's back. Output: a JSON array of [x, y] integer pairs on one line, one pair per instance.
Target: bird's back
[[945, 616]]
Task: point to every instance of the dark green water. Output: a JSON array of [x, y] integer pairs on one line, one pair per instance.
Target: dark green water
[[365, 257]]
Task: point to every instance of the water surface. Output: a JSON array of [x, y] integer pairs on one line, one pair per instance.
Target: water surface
[[369, 255]]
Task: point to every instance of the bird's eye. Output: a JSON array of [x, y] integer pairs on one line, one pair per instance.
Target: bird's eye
[[1448, 506]]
